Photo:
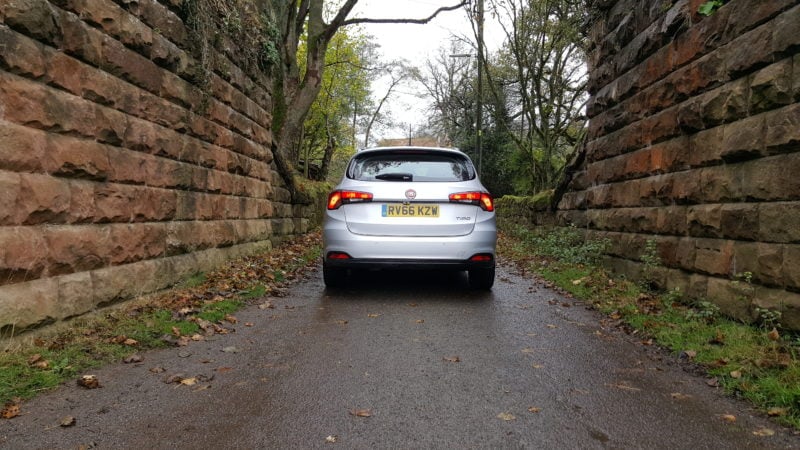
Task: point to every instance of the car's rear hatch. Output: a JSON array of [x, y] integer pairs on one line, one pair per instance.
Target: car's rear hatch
[[392, 212]]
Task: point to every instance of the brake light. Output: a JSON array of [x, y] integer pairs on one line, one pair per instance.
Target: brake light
[[482, 199], [338, 198], [481, 257], [338, 255]]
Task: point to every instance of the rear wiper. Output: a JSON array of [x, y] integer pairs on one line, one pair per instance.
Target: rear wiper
[[395, 176]]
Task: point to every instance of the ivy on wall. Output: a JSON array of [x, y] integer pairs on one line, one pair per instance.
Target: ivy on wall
[[710, 6]]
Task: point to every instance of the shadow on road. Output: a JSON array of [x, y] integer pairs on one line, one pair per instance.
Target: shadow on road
[[408, 285]]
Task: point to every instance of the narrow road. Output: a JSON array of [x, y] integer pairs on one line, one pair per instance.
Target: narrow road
[[402, 360]]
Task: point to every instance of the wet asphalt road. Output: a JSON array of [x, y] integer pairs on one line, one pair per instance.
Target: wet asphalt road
[[433, 364]]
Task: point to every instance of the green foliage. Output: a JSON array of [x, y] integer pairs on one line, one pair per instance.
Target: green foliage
[[652, 263], [243, 30], [328, 128], [769, 318], [255, 292], [196, 279], [710, 6], [216, 311], [703, 311], [565, 244], [523, 205]]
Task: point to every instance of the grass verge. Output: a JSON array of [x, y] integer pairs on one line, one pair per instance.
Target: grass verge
[[199, 306], [758, 363]]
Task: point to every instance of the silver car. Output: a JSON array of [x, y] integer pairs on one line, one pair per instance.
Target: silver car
[[410, 207]]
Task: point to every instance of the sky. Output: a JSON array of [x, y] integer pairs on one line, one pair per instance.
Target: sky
[[414, 42]]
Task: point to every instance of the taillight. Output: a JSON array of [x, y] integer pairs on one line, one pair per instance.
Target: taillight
[[339, 198], [482, 199], [338, 255], [481, 257]]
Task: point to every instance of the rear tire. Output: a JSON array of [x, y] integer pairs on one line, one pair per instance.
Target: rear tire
[[334, 277], [481, 279]]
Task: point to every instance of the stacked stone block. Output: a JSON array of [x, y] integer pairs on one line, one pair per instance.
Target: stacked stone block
[[694, 142], [120, 172]]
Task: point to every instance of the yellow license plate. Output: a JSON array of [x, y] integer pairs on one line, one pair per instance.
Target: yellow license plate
[[412, 210]]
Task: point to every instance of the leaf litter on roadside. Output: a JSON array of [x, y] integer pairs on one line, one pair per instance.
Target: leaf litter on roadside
[[506, 416], [89, 381], [11, 409], [361, 412]]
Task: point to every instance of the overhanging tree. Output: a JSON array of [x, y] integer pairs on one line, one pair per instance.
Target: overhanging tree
[[295, 90], [541, 71]]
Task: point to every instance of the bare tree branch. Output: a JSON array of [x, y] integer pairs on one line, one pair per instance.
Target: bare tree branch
[[417, 21]]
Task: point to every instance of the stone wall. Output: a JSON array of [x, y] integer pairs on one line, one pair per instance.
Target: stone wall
[[120, 172], [694, 142]]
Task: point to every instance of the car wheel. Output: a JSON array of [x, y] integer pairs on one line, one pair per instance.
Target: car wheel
[[481, 279], [334, 277]]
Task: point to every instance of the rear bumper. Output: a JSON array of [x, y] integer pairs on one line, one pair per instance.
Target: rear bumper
[[418, 250], [415, 264]]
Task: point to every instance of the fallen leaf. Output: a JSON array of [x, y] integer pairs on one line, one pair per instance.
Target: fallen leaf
[[34, 359], [764, 432], [372, 316], [43, 364], [266, 305], [176, 332], [157, 370], [189, 381], [736, 374], [130, 342], [721, 362], [713, 382], [774, 335], [679, 396], [67, 421], [537, 366], [197, 337], [341, 322], [728, 418], [453, 359], [248, 324], [117, 340], [534, 409], [89, 381], [777, 412], [688, 354], [135, 358], [331, 439], [230, 349], [623, 386], [361, 412], [551, 326], [231, 319], [10, 410], [419, 321], [506, 416]]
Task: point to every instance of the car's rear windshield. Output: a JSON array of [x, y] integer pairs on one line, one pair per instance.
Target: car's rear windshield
[[411, 166]]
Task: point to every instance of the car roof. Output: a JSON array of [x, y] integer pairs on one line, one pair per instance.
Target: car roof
[[411, 147]]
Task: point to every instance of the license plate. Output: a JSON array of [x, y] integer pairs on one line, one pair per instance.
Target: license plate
[[412, 210]]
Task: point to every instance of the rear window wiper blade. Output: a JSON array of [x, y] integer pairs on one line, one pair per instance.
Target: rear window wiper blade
[[395, 176]]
